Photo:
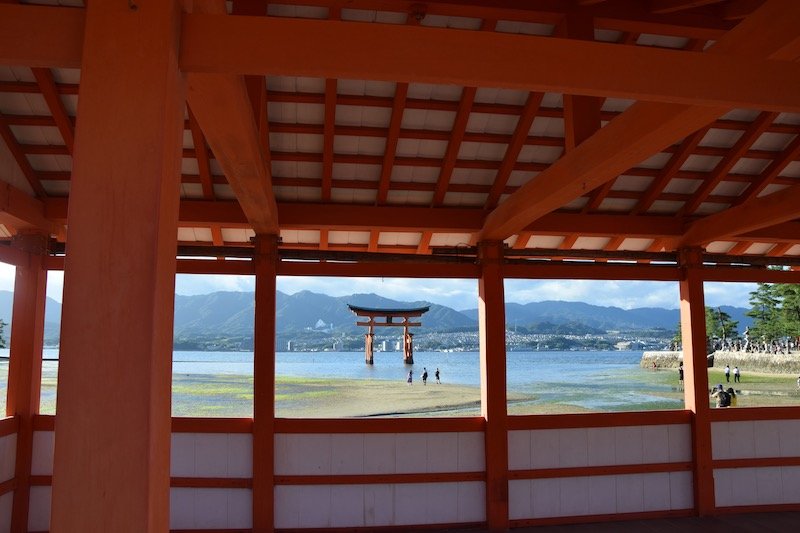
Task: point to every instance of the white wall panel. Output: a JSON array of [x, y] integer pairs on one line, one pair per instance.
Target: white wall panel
[[318, 506], [577, 447], [211, 455], [6, 501], [42, 459], [378, 453], [8, 456], [757, 486], [39, 509], [599, 495], [207, 508]]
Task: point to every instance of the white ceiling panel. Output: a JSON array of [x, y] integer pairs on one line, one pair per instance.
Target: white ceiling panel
[[482, 151], [607, 36], [748, 115], [297, 194], [527, 28], [719, 247], [464, 199], [794, 250], [636, 245], [545, 241], [383, 17], [788, 118], [533, 153], [429, 91], [56, 188], [721, 138], [66, 75], [353, 196], [473, 176], [774, 142], [359, 145], [749, 166], [590, 243], [656, 161], [348, 237], [40, 135], [487, 95], [410, 197], [618, 204], [191, 190], [661, 41], [296, 84], [377, 117], [792, 170], [428, 120], [520, 177], [707, 208], [460, 23], [450, 239], [237, 234], [189, 166], [729, 188], [547, 127], [631, 183], [665, 207], [387, 238], [51, 163], [759, 248], [682, 186], [617, 105], [356, 172], [312, 12], [772, 188], [223, 191]]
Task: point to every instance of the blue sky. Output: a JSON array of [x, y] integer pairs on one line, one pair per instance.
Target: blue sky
[[456, 293]]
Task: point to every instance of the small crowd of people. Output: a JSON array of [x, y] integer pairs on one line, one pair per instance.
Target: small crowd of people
[[724, 398], [410, 378]]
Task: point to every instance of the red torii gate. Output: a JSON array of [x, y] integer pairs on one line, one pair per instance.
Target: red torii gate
[[389, 315]]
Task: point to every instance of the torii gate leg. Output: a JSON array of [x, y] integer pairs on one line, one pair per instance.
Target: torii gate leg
[[368, 341], [408, 347]]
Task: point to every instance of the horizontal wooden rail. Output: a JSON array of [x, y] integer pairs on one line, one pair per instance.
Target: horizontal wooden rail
[[9, 426], [754, 413], [615, 517], [380, 425], [594, 420], [371, 479], [606, 470], [755, 462], [8, 486], [211, 425]]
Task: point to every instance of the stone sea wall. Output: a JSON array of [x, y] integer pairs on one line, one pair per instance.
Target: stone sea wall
[[752, 361]]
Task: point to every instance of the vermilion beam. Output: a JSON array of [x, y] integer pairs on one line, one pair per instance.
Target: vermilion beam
[[22, 212], [424, 242], [19, 156], [514, 148], [48, 87], [391, 141], [671, 6], [722, 169], [457, 136], [327, 149], [318, 48], [203, 164], [35, 36], [643, 129], [773, 170]]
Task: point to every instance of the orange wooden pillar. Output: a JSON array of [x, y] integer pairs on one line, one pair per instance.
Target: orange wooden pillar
[[266, 259], [25, 364], [112, 445], [695, 367], [492, 325]]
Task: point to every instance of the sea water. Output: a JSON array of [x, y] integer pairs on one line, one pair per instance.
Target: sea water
[[593, 380]]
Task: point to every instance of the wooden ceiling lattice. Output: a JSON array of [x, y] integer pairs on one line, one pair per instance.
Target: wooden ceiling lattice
[[400, 164]]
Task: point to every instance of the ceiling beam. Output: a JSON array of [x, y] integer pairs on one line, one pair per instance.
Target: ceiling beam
[[44, 78], [645, 128], [21, 211], [457, 136], [671, 6], [19, 155], [36, 36], [321, 48], [392, 136]]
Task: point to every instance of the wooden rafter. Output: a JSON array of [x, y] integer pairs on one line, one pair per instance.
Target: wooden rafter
[[739, 248], [773, 170], [456, 137], [643, 129], [401, 91], [203, 163], [327, 141], [672, 6], [514, 148], [323, 239], [424, 246], [44, 78], [523, 237], [779, 249], [374, 237], [22, 160], [722, 168]]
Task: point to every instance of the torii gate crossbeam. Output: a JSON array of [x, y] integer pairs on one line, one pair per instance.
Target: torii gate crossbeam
[[388, 317]]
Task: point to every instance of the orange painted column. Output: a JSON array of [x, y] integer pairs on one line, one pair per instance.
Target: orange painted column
[[112, 447], [492, 327], [695, 368], [25, 364], [266, 263]]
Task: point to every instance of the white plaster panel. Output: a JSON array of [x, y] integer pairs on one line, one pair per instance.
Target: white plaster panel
[[347, 506], [519, 450], [681, 491], [181, 508], [765, 442], [288, 505], [722, 487], [378, 505], [240, 508], [790, 480], [544, 448], [440, 452], [6, 501], [182, 460], [442, 503], [519, 499], [8, 456], [410, 503], [347, 454], [769, 485], [240, 455], [471, 455], [471, 501], [42, 460], [628, 445], [735, 486], [630, 493], [545, 497], [411, 453], [741, 439], [655, 441], [210, 508], [316, 510], [720, 443], [379, 453], [572, 447], [657, 491], [39, 509], [789, 437], [574, 496], [600, 442], [602, 495], [211, 454], [302, 454]]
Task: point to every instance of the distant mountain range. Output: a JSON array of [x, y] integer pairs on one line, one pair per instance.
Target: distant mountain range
[[232, 313]]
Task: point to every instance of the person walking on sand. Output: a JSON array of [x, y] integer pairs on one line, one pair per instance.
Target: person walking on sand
[[410, 377], [736, 374], [439, 382], [680, 374], [424, 376], [727, 374]]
